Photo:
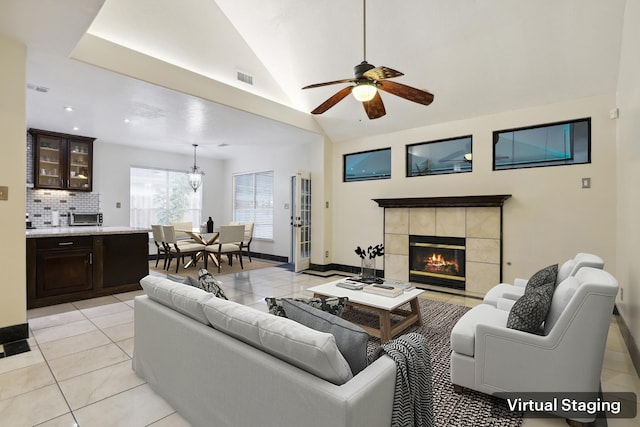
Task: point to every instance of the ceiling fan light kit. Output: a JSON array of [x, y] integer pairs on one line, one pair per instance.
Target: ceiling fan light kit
[[368, 80], [364, 92]]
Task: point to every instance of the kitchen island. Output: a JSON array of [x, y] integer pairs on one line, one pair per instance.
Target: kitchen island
[[67, 264]]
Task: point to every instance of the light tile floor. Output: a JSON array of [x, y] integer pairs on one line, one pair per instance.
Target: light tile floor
[[78, 372]]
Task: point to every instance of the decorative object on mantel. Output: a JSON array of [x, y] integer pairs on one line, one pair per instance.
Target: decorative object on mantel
[[368, 262], [195, 173]]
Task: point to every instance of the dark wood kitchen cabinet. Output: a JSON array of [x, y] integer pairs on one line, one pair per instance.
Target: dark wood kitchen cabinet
[[64, 269], [62, 161], [64, 265]]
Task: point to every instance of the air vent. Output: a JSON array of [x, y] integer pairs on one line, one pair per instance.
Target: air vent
[[37, 88], [245, 78]]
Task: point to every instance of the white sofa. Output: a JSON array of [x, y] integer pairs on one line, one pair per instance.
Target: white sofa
[[515, 291], [566, 357], [212, 378]]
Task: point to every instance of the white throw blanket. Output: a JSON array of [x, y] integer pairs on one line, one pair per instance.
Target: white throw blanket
[[413, 395]]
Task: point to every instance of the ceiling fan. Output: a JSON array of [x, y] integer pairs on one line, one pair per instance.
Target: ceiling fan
[[368, 79]]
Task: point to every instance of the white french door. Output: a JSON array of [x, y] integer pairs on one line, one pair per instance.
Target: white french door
[[301, 220]]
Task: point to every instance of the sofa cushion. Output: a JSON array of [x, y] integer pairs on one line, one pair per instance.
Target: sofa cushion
[[351, 339], [464, 332], [182, 298], [332, 305], [561, 297], [207, 282], [313, 351], [528, 312], [542, 277]]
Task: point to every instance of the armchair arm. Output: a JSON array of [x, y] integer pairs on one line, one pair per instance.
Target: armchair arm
[[513, 296]]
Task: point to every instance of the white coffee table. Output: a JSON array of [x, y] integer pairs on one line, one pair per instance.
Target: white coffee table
[[383, 305]]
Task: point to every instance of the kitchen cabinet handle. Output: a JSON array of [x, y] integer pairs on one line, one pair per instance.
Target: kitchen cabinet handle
[[65, 243], [91, 258]]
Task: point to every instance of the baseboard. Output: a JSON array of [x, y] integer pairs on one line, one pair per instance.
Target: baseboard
[[341, 267], [14, 333], [630, 342], [268, 257]]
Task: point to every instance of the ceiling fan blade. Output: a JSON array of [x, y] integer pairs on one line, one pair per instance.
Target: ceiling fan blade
[[381, 73], [330, 83], [407, 92], [375, 107], [332, 101]]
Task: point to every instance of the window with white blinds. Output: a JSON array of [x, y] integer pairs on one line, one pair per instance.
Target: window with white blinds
[[253, 202]]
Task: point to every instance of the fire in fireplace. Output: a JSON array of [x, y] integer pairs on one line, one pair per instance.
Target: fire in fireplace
[[437, 260]]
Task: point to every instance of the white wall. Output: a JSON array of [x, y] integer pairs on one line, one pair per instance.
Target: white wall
[[285, 163], [628, 149], [13, 303], [111, 179], [549, 217]]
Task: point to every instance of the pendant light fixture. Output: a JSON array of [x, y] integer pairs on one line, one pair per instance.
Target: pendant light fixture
[[195, 173]]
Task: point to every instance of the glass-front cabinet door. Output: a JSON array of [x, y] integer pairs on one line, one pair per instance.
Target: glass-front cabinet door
[[49, 165], [62, 161], [79, 172]]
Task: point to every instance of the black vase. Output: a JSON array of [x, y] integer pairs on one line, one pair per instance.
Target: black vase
[[210, 225]]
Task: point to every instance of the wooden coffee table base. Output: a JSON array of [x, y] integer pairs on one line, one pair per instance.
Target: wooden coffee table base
[[388, 331]]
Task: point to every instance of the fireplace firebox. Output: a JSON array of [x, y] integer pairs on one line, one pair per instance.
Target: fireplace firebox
[[436, 260]]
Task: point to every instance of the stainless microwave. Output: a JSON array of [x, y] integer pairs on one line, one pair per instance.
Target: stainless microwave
[[85, 218]]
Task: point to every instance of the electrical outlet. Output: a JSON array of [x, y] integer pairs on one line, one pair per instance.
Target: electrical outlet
[[621, 294], [326, 254], [118, 205]]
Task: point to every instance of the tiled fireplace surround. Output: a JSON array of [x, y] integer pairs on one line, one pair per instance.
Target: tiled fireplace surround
[[476, 218]]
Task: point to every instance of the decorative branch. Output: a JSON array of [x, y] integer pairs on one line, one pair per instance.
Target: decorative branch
[[371, 252]]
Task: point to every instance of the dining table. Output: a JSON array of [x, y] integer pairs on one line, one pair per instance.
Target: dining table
[[206, 239]]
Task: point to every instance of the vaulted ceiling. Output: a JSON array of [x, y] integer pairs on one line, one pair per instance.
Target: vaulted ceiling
[[476, 56]]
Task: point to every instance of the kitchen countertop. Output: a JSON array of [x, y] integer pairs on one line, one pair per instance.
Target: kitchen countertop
[[82, 231]]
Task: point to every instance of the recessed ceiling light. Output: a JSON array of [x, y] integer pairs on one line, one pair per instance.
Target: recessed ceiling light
[[127, 120], [68, 108], [76, 128]]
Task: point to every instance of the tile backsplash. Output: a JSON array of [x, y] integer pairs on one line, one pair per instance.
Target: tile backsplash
[[41, 205]]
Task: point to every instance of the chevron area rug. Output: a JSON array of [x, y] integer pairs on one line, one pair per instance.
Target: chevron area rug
[[464, 410]]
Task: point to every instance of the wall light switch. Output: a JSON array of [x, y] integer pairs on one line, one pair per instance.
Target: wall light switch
[[118, 205], [4, 193], [586, 182]]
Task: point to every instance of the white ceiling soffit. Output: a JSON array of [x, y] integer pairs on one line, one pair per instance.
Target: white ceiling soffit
[[192, 34]]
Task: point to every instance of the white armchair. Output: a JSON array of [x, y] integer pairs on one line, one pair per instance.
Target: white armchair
[[515, 291], [567, 357]]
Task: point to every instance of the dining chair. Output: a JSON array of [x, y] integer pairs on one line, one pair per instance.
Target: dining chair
[[179, 250], [158, 239], [229, 243], [248, 236]]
